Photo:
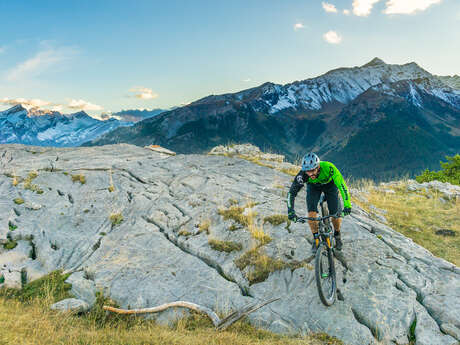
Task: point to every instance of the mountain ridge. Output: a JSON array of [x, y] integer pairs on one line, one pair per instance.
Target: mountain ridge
[[51, 128], [308, 116]]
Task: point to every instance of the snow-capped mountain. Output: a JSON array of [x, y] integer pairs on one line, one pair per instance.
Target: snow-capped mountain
[[414, 90], [336, 87], [375, 120], [51, 128]]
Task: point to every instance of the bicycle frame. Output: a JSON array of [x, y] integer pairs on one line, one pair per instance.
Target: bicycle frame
[[324, 230]]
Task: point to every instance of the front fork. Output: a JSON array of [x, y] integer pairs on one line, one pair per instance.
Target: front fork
[[328, 238]]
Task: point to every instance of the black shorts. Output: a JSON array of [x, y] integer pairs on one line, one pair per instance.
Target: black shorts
[[332, 196]]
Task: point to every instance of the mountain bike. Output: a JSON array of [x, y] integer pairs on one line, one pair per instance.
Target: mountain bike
[[325, 276]]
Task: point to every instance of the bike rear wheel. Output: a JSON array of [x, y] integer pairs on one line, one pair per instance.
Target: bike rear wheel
[[325, 275]]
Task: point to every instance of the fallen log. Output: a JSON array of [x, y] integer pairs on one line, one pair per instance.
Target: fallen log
[[220, 324]]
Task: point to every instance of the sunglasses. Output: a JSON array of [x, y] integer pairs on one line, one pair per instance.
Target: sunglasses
[[312, 171]]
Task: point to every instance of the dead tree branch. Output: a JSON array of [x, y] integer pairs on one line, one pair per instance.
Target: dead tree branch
[[218, 323]]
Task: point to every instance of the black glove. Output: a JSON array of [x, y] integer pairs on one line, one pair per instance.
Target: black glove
[[292, 216], [347, 211]]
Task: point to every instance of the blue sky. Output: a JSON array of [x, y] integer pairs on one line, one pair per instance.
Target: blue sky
[[102, 56]]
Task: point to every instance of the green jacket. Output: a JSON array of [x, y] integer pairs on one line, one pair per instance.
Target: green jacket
[[327, 173]]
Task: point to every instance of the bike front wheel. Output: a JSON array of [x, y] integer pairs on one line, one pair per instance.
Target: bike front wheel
[[325, 275]]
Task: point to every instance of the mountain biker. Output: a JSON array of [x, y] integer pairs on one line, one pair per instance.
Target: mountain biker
[[320, 177]]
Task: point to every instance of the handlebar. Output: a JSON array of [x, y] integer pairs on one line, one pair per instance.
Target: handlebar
[[304, 219]]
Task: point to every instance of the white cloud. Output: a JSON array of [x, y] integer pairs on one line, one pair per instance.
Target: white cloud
[[346, 12], [332, 37], [83, 105], [247, 80], [26, 103], [143, 93], [408, 6], [42, 62], [298, 26], [329, 7], [363, 8], [58, 107]]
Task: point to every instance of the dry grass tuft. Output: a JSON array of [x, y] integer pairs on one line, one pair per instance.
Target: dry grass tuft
[[79, 178], [16, 180], [25, 318], [276, 219], [10, 244], [18, 201], [29, 185], [261, 265], [225, 246], [257, 232], [290, 171], [116, 218], [245, 216], [236, 214], [34, 324], [111, 186], [183, 232], [204, 226]]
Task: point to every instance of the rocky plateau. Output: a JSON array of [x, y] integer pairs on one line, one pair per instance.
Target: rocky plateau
[[138, 225]]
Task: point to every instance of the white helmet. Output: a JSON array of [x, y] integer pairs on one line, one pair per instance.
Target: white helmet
[[310, 161]]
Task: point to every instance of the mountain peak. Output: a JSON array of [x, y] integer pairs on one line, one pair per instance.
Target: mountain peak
[[15, 109], [374, 62], [80, 115]]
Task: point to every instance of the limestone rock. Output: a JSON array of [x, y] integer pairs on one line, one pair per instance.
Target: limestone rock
[[247, 150], [427, 330], [82, 288], [158, 148], [451, 330], [72, 305], [32, 206]]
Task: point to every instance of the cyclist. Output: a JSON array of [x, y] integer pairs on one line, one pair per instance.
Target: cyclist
[[320, 177]]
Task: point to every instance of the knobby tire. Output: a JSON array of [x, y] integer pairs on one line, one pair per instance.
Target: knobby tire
[[328, 298]]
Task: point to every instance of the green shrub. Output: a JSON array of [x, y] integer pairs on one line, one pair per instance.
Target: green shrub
[[51, 286], [450, 172]]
